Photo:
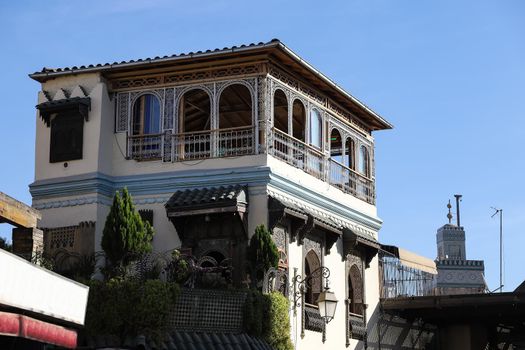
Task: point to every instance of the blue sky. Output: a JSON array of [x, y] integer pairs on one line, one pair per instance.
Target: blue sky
[[449, 75]]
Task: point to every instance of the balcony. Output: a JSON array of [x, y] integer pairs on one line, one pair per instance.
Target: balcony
[[240, 141], [310, 159]]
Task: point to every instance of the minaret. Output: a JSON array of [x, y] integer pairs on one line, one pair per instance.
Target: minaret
[[456, 274], [451, 238]]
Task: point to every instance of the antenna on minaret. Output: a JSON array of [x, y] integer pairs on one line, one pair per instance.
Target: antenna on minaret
[[449, 215], [458, 198]]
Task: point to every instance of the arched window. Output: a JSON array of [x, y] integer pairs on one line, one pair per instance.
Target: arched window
[[313, 288], [316, 128], [280, 111], [364, 161], [350, 153], [146, 115], [336, 146], [355, 291], [195, 117], [195, 111], [235, 107], [298, 120]]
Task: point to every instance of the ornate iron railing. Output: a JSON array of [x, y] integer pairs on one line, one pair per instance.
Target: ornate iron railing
[[145, 147], [229, 142], [297, 153], [352, 182], [308, 158]]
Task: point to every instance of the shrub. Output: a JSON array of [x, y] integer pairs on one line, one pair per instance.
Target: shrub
[[125, 235], [262, 253], [276, 329], [129, 308], [266, 316]]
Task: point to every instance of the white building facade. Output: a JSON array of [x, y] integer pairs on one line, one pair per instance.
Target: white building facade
[[211, 145]]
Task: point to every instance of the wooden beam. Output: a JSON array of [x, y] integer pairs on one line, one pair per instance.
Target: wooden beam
[[17, 213]]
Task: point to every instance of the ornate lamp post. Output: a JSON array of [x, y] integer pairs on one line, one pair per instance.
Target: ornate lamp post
[[327, 302]]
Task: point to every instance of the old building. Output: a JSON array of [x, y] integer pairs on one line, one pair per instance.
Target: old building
[[456, 273], [212, 144]]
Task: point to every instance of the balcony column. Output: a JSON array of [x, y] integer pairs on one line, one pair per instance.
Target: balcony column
[[214, 122]]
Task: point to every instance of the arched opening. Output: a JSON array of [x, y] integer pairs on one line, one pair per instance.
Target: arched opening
[[195, 118], [146, 115], [211, 259], [355, 291], [235, 107], [316, 128], [236, 136], [349, 153], [145, 137], [280, 111], [364, 162], [195, 111], [313, 287], [298, 120], [336, 146]]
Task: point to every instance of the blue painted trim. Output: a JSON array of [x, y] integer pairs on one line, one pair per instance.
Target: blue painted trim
[[310, 196], [169, 182], [147, 184]]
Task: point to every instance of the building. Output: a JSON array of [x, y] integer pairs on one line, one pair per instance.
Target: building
[[38, 308], [211, 145], [457, 274]]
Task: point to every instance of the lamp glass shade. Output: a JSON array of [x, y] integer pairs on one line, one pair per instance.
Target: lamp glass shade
[[327, 303]]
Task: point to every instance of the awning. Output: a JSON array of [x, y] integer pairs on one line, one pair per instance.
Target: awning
[[16, 325], [79, 105], [411, 259], [207, 201]]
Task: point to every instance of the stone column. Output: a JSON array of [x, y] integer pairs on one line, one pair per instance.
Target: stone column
[[28, 243]]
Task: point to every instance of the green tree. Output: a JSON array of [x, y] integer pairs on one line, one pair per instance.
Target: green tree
[[125, 236], [4, 244], [262, 252]]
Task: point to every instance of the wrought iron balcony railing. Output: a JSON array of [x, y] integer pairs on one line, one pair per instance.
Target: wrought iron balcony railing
[[308, 158], [240, 141]]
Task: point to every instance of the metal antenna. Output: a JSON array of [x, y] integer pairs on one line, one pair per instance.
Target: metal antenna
[[500, 212]]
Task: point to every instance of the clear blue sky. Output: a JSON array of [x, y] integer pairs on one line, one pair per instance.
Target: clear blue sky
[[449, 75]]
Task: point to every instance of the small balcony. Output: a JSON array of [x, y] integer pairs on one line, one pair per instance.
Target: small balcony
[[310, 159]]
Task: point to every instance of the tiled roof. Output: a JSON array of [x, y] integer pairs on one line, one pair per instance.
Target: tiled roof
[[178, 340], [210, 196], [108, 65]]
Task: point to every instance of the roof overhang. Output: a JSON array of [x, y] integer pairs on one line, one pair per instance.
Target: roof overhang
[[273, 51], [493, 308]]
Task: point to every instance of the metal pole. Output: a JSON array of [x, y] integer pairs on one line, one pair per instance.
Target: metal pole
[[501, 250], [500, 212]]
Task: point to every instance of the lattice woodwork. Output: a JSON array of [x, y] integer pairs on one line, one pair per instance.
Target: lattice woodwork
[[213, 311], [184, 77], [327, 103], [121, 124]]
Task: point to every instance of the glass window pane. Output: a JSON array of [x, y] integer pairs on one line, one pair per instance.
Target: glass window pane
[[316, 129]]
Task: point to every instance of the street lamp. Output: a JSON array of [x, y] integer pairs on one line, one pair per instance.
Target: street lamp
[[326, 301]]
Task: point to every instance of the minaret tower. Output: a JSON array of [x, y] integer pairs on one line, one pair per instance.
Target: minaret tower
[[451, 238], [456, 274]]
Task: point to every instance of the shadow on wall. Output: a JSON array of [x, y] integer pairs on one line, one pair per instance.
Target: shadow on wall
[[388, 331]]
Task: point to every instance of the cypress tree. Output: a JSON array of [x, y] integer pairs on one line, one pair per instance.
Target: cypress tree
[[125, 235], [262, 252]]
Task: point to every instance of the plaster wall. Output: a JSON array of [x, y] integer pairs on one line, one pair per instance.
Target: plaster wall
[[92, 135]]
